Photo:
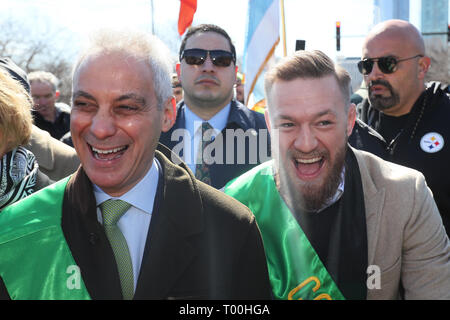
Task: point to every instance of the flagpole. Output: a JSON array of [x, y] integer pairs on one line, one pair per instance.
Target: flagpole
[[153, 18], [283, 24]]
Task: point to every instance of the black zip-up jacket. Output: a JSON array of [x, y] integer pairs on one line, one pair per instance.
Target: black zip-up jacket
[[426, 129], [61, 125]]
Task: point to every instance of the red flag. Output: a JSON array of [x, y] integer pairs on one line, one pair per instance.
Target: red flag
[[187, 10]]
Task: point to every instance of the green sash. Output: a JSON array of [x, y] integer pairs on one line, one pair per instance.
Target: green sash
[[35, 260], [295, 269]]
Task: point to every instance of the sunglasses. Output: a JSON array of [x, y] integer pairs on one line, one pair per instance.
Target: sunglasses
[[219, 58], [387, 64]]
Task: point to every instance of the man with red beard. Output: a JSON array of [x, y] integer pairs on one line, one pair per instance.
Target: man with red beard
[[338, 223], [411, 117]]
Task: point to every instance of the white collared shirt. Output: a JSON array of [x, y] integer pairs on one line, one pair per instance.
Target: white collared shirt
[[193, 134], [135, 223]]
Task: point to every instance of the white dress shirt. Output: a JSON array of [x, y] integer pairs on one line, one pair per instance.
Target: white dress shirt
[[135, 222], [193, 133]]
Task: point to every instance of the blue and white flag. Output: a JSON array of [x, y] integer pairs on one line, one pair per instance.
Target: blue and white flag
[[261, 38]]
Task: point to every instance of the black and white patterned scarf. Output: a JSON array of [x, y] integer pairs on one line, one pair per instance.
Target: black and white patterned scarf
[[18, 172]]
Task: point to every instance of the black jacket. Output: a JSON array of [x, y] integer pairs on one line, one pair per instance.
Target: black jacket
[[255, 151], [429, 115], [61, 125], [201, 243], [365, 138]]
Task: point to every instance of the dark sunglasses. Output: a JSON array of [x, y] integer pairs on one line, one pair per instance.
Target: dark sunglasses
[[219, 58], [387, 64]]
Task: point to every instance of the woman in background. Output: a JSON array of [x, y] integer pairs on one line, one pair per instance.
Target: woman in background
[[19, 170]]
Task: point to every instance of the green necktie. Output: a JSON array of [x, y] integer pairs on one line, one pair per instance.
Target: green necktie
[[112, 211], [201, 168]]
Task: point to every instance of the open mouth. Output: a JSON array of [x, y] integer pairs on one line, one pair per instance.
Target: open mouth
[[108, 154], [309, 167]]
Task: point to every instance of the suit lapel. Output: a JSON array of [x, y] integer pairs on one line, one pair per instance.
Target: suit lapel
[[241, 116], [374, 202], [167, 255], [177, 217], [374, 206], [87, 240]]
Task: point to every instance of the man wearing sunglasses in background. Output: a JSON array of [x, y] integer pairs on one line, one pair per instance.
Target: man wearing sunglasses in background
[[411, 118], [210, 123]]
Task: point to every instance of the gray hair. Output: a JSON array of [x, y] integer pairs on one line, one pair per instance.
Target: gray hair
[[44, 77], [141, 46]]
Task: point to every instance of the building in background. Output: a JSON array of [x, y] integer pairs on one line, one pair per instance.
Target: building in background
[[434, 27], [433, 23], [350, 64], [390, 9]]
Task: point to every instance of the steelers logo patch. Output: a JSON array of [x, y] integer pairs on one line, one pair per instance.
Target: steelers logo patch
[[432, 142]]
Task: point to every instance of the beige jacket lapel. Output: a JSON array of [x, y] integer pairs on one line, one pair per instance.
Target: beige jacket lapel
[[39, 146], [374, 200]]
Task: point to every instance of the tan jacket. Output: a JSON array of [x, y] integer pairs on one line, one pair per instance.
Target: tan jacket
[[56, 159], [406, 238]]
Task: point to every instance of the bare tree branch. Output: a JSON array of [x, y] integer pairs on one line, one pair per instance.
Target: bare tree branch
[[37, 49]]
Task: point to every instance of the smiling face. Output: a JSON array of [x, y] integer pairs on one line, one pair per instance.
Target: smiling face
[[313, 126], [115, 120]]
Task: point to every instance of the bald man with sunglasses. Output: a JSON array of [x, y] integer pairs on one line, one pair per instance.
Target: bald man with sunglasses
[[218, 137], [410, 118]]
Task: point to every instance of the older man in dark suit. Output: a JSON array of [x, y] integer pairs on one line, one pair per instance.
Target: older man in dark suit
[[129, 223]]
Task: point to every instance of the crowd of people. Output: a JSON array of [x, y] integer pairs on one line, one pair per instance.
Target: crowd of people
[[157, 184]]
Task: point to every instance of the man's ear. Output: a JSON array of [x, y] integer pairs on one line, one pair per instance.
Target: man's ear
[[56, 94], [351, 118], [169, 114], [178, 70], [424, 65]]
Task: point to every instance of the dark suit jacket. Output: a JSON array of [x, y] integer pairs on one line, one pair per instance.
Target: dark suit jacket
[[255, 150], [201, 243]]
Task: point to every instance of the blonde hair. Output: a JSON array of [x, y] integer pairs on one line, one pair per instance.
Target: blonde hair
[[308, 65], [15, 112]]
